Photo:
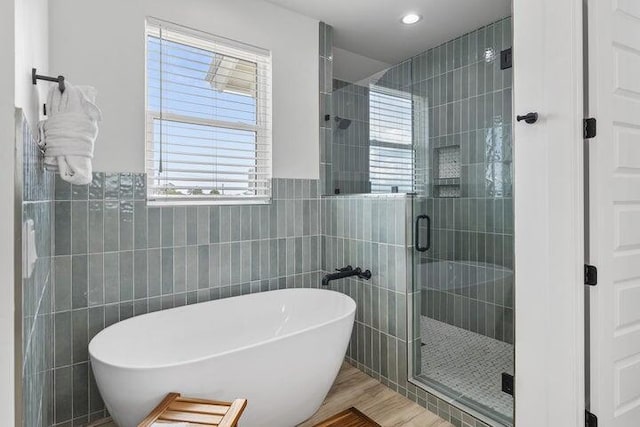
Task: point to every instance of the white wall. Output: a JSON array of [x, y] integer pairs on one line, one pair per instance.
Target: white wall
[[352, 67], [32, 51], [7, 72], [101, 43]]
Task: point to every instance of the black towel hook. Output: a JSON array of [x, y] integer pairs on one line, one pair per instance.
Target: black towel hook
[[35, 77], [529, 118]]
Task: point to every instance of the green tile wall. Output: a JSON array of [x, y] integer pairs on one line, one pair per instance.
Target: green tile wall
[[37, 329], [374, 232], [116, 257], [466, 104]]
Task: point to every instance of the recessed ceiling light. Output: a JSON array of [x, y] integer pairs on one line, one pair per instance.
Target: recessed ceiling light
[[411, 18]]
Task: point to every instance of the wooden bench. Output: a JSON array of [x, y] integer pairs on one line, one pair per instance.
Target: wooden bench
[[196, 412]]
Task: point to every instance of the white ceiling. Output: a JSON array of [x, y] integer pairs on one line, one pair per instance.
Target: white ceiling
[[372, 28]]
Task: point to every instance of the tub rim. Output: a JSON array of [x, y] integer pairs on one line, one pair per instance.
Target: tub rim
[[350, 312]]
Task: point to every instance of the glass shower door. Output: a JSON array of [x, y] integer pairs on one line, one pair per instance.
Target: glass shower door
[[461, 297]]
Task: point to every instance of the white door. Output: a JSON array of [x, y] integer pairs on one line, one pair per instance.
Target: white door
[[614, 243]]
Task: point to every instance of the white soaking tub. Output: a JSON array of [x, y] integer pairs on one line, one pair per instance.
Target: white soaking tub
[[281, 350]]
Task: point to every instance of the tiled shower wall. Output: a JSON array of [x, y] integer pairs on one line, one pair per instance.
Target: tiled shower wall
[[373, 232], [466, 278], [37, 325], [370, 232], [353, 162], [117, 257]]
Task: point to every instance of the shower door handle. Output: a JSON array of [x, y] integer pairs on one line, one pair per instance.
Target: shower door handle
[[418, 247]]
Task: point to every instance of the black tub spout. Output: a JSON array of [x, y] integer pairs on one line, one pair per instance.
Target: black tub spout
[[347, 271]]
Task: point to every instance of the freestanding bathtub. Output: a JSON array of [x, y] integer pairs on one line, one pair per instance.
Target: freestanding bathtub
[[281, 350]]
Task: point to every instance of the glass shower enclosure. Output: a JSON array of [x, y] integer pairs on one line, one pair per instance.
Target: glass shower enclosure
[[461, 296], [435, 128]]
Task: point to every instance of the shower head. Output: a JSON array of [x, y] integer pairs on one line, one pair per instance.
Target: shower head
[[342, 123]]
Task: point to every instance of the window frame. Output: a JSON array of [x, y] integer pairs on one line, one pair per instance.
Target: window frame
[[264, 110], [392, 145]]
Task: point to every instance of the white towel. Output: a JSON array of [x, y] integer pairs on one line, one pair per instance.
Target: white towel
[[69, 132]]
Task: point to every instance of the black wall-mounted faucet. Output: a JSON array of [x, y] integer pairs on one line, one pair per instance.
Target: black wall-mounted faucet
[[347, 271]]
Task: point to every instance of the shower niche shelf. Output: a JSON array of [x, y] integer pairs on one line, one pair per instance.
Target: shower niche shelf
[[446, 181]]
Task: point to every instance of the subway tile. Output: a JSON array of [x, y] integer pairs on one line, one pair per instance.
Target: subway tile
[[214, 266], [79, 192], [179, 269], [126, 225], [245, 262], [79, 320], [126, 186], [79, 276], [111, 314], [95, 226], [80, 389], [192, 268], [111, 226], [63, 394], [154, 227], [235, 263], [126, 310], [96, 187], [62, 226], [179, 226], [203, 225], [111, 186], [95, 321], [62, 282], [62, 189], [96, 405], [62, 337], [140, 274], [140, 225], [111, 277], [167, 231], [203, 266], [214, 224], [247, 216], [126, 275], [96, 280], [154, 272], [192, 225], [167, 271], [139, 186]]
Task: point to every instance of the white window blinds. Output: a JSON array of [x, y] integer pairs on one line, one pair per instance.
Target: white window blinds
[[208, 130], [391, 157]]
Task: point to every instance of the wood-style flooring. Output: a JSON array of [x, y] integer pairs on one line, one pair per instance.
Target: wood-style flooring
[[381, 404], [349, 418]]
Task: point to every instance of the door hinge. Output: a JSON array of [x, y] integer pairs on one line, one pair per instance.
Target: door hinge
[[507, 383], [506, 59], [589, 128], [590, 275], [590, 420]]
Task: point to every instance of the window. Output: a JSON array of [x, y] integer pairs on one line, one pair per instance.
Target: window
[[208, 125], [391, 143]]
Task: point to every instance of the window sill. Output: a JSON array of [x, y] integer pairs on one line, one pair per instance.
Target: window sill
[[207, 202]]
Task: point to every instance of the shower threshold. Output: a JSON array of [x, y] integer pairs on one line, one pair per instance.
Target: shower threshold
[[467, 367]]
